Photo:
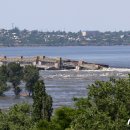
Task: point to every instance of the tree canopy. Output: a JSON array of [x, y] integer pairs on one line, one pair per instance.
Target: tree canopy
[[31, 75], [3, 79], [15, 73], [107, 106], [42, 102]]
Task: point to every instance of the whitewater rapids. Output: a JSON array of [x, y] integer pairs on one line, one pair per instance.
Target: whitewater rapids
[[63, 85]]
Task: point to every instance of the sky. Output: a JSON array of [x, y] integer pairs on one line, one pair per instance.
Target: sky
[[65, 15]]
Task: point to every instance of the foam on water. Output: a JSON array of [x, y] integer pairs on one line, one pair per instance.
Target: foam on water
[[116, 69], [63, 85]]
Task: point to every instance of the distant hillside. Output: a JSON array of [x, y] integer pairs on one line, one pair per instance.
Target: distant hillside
[[16, 37]]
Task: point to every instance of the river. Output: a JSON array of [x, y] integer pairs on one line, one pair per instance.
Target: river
[[114, 56], [65, 84]]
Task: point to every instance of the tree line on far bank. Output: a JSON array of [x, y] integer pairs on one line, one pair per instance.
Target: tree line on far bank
[[106, 107], [17, 37]]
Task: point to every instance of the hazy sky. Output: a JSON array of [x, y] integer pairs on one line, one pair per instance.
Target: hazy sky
[[68, 15]]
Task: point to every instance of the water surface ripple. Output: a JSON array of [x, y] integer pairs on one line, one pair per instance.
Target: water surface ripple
[[66, 84]]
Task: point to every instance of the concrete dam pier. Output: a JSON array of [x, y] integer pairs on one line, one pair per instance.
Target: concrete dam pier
[[49, 63]]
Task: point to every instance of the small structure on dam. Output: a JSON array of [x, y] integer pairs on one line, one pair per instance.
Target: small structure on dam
[[49, 63]]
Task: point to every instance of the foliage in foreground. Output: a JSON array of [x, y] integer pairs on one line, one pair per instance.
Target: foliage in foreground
[[107, 107], [23, 116], [42, 102], [17, 118]]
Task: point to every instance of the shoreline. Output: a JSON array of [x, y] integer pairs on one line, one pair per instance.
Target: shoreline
[[37, 46]]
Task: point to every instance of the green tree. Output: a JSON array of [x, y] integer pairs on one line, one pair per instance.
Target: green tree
[[42, 102], [63, 117], [16, 118], [3, 74], [45, 125], [107, 106], [3, 88], [3, 79], [15, 73], [4, 121], [48, 107], [31, 75], [19, 117]]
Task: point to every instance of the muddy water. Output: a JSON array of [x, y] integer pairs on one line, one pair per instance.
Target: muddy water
[[64, 85]]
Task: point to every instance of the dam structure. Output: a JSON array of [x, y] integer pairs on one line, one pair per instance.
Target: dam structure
[[49, 63]]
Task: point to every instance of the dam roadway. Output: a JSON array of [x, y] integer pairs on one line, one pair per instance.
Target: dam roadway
[[49, 63]]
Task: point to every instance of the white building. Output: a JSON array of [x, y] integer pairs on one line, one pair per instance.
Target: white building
[[84, 33]]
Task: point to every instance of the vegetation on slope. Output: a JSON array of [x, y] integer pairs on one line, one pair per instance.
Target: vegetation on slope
[[16, 37]]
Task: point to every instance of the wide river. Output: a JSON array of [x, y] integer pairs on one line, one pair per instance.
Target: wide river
[[64, 85], [115, 56]]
